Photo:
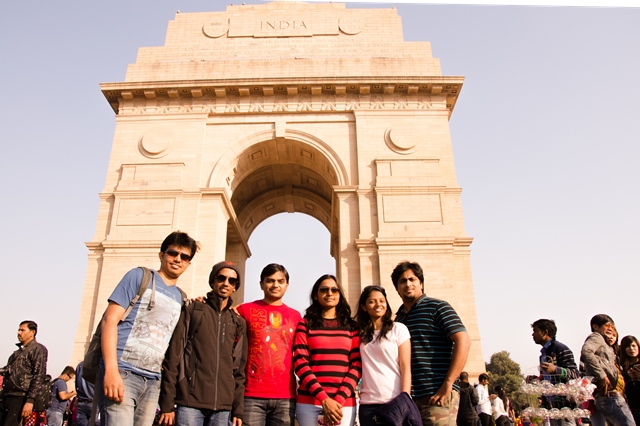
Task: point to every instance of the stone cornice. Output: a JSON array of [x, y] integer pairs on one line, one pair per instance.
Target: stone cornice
[[274, 96], [404, 242]]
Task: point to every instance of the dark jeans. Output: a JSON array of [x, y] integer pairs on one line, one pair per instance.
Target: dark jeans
[[83, 413], [503, 421], [11, 411], [485, 419], [269, 412], [367, 417], [467, 422]]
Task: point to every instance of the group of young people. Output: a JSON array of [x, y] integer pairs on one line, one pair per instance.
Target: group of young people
[[206, 362], [616, 369]]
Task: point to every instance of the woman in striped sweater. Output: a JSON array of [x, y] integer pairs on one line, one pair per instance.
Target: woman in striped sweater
[[326, 357]]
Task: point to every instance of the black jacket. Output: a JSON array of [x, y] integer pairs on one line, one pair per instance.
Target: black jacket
[[212, 375], [468, 401], [25, 371]]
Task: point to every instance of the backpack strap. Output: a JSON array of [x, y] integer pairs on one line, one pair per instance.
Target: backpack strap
[[238, 340], [196, 319], [185, 298], [147, 277]]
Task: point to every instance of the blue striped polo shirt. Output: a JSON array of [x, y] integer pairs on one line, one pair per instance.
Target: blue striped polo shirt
[[431, 323]]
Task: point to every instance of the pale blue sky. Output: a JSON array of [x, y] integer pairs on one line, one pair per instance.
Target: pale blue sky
[[545, 136]]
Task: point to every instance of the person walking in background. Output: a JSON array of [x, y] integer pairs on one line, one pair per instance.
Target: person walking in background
[[24, 376], [385, 349], [557, 365], [60, 396], [326, 357], [467, 414], [600, 362], [210, 341], [500, 406], [439, 346], [85, 398], [270, 391], [484, 400], [630, 365]]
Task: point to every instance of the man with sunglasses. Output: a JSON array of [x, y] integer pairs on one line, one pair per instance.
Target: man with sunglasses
[[210, 341], [133, 350]]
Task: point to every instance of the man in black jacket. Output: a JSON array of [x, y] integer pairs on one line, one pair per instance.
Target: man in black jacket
[[24, 376], [204, 369], [467, 415]]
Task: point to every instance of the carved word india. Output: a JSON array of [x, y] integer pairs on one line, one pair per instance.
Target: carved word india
[[281, 25]]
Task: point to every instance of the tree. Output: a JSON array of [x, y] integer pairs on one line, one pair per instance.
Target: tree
[[505, 372]]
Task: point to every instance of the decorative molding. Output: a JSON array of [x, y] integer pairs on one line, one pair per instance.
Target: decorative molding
[[434, 93]]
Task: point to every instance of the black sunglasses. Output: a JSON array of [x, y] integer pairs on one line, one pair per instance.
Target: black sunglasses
[[222, 278], [326, 290], [174, 253]]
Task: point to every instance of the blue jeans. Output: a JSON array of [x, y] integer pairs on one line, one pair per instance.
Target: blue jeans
[[269, 412], [615, 410], [186, 416], [138, 408], [307, 415], [54, 418]]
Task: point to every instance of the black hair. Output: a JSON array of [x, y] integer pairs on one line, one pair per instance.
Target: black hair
[[503, 396], [271, 269], [179, 239], [600, 320], [483, 376], [69, 371], [402, 267], [365, 324], [625, 360], [547, 325], [31, 325], [313, 313]]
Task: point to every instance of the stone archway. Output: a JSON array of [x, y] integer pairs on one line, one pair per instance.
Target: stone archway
[[297, 173], [285, 107]]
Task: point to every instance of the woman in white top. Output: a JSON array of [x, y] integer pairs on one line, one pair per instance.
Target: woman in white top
[[499, 407], [385, 349]]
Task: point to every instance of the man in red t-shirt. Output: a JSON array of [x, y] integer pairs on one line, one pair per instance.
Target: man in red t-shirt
[[269, 398]]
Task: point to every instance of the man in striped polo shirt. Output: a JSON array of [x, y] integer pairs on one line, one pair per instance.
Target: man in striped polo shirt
[[439, 346]]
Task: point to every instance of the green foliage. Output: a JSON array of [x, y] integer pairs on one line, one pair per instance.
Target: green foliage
[[505, 372]]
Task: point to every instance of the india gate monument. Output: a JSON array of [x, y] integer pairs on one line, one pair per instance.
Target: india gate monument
[[285, 108]]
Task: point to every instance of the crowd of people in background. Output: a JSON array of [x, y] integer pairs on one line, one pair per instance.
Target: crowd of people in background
[[614, 368], [167, 360]]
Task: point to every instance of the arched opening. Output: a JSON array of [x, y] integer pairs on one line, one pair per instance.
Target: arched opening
[[297, 241]]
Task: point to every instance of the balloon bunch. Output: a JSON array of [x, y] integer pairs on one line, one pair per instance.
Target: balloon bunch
[[577, 390], [556, 413]]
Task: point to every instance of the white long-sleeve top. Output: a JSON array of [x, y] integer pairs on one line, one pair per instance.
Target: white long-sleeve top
[[484, 404], [497, 406]]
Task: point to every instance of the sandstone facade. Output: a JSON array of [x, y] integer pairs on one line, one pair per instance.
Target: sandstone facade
[[285, 107]]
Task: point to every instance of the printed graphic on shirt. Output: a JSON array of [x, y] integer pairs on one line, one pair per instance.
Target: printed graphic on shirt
[[151, 331], [274, 343]]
